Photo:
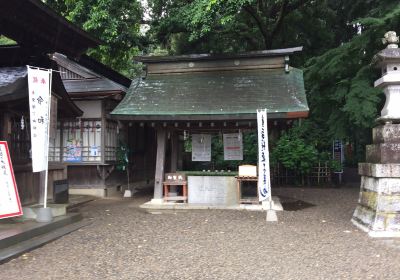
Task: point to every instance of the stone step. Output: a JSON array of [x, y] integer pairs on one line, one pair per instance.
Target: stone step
[[16, 250], [25, 230]]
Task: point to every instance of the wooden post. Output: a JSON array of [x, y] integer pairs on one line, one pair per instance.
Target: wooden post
[[103, 134], [174, 151], [160, 163]]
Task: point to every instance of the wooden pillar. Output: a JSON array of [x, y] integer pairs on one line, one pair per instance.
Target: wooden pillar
[[174, 151], [160, 163], [6, 127]]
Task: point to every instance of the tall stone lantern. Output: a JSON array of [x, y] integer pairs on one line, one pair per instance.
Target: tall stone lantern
[[378, 209]]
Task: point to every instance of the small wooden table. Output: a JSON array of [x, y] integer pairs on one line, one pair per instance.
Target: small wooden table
[[241, 179], [175, 179]]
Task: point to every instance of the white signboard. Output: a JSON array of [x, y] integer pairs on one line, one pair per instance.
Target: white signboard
[[39, 102], [10, 205], [264, 182], [201, 147], [233, 146]]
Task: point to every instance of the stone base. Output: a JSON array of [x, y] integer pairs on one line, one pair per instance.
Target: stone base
[[98, 192], [159, 204], [378, 209], [30, 212], [376, 233]]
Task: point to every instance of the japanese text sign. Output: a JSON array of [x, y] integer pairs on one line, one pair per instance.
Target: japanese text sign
[[201, 147], [39, 102], [10, 204], [264, 180], [233, 146]]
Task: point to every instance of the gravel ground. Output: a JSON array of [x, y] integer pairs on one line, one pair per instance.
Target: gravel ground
[[317, 241]]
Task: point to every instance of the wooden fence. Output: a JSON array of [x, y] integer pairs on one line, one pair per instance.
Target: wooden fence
[[319, 175]]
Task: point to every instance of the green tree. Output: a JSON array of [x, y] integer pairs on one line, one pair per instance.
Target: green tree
[[115, 22], [342, 99], [240, 25], [294, 153]]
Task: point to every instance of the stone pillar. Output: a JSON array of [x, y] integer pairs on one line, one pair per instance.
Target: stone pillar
[[378, 209]]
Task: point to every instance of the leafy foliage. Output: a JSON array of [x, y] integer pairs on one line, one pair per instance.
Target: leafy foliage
[[240, 25], [294, 153], [115, 22], [6, 41], [343, 101]]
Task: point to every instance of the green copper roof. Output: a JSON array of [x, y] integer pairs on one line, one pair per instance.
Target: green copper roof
[[217, 94]]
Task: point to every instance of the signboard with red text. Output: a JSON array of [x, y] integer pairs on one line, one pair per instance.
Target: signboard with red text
[[10, 204]]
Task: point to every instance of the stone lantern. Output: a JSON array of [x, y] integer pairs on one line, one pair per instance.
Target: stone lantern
[[378, 209]]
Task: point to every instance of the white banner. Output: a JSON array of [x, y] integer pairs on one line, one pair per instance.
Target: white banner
[[264, 180], [201, 147], [233, 146], [39, 102], [10, 205]]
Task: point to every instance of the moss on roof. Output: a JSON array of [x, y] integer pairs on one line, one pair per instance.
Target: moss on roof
[[215, 93]]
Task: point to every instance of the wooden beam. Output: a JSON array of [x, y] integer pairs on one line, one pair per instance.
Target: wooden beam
[[160, 163]]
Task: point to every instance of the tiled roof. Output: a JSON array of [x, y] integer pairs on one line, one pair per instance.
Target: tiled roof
[[9, 75], [12, 82], [79, 79], [215, 93]]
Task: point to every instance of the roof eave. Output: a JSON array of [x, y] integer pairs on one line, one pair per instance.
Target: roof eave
[[198, 57], [210, 117]]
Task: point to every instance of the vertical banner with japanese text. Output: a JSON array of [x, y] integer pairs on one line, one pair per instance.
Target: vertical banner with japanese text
[[264, 180], [10, 204], [39, 102]]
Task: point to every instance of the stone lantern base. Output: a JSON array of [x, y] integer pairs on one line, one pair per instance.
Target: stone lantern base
[[378, 209]]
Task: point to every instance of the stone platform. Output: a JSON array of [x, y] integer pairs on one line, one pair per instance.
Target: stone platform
[[161, 205], [21, 234], [378, 209]]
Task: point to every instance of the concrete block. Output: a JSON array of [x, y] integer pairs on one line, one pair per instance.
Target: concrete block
[[271, 216], [30, 212], [364, 215], [383, 153], [91, 192], [381, 185], [388, 133], [379, 202], [371, 220], [387, 170], [368, 199]]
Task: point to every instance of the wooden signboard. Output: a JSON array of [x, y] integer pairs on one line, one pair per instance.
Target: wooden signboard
[[10, 204]]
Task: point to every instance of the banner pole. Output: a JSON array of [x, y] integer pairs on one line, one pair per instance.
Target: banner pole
[[46, 180]]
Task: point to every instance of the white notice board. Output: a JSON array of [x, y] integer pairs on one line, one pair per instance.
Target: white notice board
[[10, 204], [233, 146], [201, 147]]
